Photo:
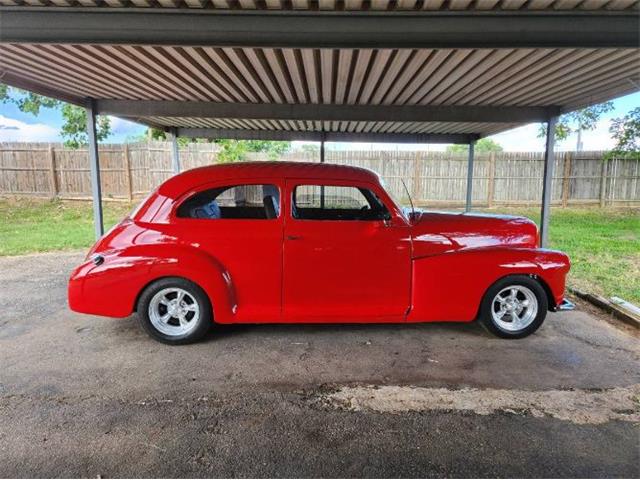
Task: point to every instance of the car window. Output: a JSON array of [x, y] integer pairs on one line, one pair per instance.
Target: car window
[[334, 202], [257, 202]]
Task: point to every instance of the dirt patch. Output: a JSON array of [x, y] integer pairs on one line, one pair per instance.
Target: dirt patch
[[576, 406]]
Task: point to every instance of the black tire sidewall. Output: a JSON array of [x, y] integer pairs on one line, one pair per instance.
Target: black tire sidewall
[[204, 322], [526, 281]]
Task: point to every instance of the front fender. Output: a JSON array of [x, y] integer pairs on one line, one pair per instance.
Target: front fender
[[450, 287]]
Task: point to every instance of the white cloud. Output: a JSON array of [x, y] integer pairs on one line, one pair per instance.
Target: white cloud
[[525, 139], [521, 139], [597, 139], [12, 130], [120, 126]]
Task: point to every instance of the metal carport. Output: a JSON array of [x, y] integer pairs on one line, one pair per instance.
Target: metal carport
[[390, 71]]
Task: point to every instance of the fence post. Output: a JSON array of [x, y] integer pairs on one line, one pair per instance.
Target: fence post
[[417, 178], [53, 181], [603, 182], [491, 180], [127, 171], [565, 179]]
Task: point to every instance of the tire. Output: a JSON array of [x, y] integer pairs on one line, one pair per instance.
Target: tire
[[175, 311], [514, 317]]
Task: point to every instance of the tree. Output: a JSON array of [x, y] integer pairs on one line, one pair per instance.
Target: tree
[[74, 128], [626, 132], [483, 145], [231, 150], [577, 121], [274, 149], [235, 150], [311, 148]]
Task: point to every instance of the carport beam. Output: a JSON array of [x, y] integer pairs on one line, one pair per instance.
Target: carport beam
[[467, 207], [549, 162], [94, 165], [175, 150]]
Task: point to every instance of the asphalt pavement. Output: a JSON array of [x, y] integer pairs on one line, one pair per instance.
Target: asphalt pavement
[[91, 396]]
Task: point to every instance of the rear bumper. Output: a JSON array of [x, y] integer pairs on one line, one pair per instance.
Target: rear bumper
[[564, 305]]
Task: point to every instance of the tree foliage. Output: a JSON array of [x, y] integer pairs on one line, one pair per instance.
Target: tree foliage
[[483, 145], [626, 132], [311, 148], [74, 128], [235, 150], [585, 120]]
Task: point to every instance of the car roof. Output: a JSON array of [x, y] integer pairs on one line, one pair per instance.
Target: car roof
[[243, 171]]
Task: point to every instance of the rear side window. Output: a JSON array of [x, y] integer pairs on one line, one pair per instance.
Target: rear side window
[[257, 202], [334, 202]]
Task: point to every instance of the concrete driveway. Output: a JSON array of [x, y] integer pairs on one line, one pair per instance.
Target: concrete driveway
[[88, 396]]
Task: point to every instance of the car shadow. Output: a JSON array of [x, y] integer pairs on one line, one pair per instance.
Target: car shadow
[[468, 329]]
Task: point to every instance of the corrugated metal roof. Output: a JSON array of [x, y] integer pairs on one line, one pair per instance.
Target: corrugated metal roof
[[335, 126], [253, 73], [342, 5], [570, 78]]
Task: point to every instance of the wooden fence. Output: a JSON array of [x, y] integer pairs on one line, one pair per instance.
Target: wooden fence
[[433, 178]]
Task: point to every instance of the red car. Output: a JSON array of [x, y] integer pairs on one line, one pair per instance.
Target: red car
[[272, 242]]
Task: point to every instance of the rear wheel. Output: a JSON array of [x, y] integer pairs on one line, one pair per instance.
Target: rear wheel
[[514, 307], [175, 311]]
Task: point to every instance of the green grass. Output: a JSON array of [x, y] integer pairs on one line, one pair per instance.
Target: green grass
[[604, 245], [28, 226]]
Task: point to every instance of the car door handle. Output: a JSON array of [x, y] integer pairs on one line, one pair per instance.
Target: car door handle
[[293, 237]]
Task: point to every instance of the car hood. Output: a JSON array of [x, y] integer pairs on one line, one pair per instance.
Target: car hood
[[434, 232]]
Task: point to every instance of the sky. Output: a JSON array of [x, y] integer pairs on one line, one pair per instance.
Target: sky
[[16, 126]]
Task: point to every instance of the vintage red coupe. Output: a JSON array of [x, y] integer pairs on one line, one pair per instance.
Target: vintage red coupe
[[271, 242]]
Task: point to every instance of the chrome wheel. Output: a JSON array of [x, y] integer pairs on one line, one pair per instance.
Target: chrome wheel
[[174, 312], [514, 308]]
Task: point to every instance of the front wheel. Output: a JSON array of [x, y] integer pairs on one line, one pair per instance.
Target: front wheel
[[514, 307], [175, 311]]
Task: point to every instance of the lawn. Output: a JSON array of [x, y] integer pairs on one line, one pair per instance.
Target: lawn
[[604, 245], [28, 226]]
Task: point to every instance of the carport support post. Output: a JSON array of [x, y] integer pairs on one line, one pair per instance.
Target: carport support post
[[467, 206], [322, 161], [549, 161], [94, 165], [175, 151]]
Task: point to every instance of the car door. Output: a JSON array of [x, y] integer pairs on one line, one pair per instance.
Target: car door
[[339, 265], [240, 225]]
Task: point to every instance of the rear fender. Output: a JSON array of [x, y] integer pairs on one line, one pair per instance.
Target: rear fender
[[202, 269], [450, 287], [112, 287]]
